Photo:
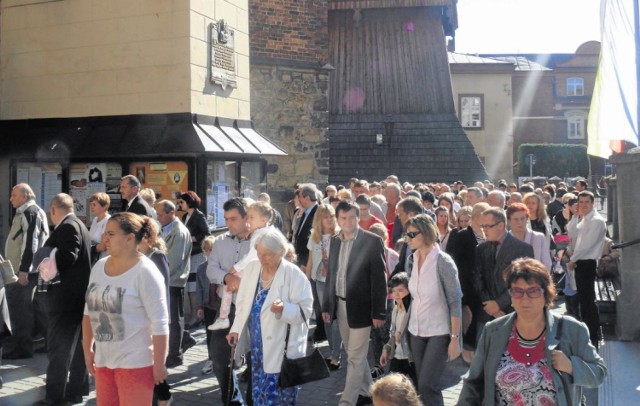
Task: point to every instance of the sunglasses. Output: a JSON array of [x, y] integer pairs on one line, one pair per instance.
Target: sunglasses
[[532, 293], [412, 234]]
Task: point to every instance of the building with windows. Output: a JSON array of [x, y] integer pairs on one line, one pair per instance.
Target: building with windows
[[522, 99]]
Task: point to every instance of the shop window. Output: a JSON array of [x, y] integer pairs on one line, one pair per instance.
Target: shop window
[[45, 180], [222, 185], [471, 111], [85, 179], [253, 179], [575, 87]]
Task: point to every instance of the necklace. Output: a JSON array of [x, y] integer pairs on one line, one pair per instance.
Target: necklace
[[527, 352], [266, 281]]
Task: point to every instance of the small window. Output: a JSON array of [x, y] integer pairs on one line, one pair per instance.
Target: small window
[[471, 111], [576, 126], [575, 87]]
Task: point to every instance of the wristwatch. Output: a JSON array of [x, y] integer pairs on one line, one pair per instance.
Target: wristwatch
[[455, 335]]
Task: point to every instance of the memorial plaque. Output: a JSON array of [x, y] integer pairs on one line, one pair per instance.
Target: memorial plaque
[[223, 55]]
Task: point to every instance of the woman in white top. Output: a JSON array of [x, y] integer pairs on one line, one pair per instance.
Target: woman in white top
[[126, 317], [436, 308], [99, 207], [518, 219], [324, 227]]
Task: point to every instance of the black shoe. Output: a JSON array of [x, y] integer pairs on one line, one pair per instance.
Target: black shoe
[[243, 376], [187, 342], [41, 350], [172, 363], [47, 402], [16, 355], [1, 382], [364, 400], [74, 400], [333, 366]]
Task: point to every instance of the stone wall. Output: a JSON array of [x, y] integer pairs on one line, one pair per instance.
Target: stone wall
[[289, 106]]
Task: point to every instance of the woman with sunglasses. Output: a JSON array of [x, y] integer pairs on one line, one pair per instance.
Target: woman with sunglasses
[[551, 354], [436, 309]]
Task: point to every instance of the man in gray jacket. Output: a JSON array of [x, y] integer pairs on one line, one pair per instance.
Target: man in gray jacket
[[29, 231], [178, 240]]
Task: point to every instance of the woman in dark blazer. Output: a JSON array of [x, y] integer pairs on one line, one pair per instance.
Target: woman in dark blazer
[[197, 225]]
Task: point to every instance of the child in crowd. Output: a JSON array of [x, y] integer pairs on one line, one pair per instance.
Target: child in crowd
[[259, 218], [207, 299], [397, 349], [394, 390]]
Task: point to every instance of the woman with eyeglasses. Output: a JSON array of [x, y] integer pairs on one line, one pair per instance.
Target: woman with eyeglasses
[[549, 354], [436, 309], [517, 218]]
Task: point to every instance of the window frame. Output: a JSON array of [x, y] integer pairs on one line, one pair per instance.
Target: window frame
[[462, 113], [575, 86]]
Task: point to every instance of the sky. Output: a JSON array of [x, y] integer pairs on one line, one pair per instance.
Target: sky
[[526, 26]]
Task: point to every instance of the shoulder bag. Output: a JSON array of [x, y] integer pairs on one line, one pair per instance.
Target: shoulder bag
[[299, 371], [8, 275]]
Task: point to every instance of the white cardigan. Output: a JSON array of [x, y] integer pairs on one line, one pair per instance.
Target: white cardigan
[[540, 246], [292, 287]]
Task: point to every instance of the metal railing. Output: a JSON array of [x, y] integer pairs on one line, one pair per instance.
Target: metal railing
[[625, 244]]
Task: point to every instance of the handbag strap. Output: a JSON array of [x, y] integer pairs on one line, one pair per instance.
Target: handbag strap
[[565, 383], [286, 340]]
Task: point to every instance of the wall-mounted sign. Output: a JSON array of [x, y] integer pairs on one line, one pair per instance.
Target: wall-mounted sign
[[223, 55]]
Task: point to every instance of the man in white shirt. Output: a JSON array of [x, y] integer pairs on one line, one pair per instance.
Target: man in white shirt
[[587, 231]]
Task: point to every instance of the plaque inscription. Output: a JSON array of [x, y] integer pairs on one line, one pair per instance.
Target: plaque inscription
[[223, 55]]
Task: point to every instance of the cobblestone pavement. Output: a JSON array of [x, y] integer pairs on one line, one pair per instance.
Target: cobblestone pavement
[[24, 381]]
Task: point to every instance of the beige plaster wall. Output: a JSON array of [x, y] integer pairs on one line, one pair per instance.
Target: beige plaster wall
[[77, 58], [494, 143], [207, 98]]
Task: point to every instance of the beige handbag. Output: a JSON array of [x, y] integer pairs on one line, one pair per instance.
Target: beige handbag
[[8, 275]]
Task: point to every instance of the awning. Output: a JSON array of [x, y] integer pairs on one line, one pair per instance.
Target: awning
[[133, 136]]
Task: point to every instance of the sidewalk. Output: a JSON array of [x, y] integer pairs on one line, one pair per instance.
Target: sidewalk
[[24, 379]]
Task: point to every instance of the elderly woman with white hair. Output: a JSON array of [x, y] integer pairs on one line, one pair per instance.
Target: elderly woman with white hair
[[273, 294]]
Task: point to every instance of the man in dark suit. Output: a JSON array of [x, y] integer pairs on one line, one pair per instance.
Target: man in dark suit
[[355, 295], [129, 188], [493, 257], [65, 305], [308, 197]]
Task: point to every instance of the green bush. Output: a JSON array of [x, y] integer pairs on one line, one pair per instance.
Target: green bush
[[563, 160]]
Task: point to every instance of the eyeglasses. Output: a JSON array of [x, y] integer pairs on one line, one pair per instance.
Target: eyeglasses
[[485, 226], [412, 234], [532, 293]]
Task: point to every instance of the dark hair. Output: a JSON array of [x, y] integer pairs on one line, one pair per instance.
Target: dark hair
[[561, 192], [363, 199], [586, 193], [572, 201], [531, 271], [346, 207], [414, 193], [132, 223], [551, 190], [191, 199], [237, 203], [429, 197], [401, 278], [583, 183], [411, 204]]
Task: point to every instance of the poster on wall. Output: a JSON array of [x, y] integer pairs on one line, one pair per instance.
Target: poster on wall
[[168, 179], [85, 179], [215, 202], [45, 180]]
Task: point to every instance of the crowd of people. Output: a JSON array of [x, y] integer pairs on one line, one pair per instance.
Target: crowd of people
[[422, 273]]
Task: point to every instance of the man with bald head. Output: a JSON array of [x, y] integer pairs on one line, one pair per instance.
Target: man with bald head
[[29, 230], [67, 378]]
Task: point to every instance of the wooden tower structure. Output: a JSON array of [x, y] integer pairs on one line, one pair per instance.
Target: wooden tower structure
[[391, 108]]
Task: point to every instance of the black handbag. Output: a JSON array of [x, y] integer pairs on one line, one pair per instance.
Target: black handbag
[[299, 371]]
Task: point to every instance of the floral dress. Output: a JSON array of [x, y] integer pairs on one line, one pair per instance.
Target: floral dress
[[265, 386]]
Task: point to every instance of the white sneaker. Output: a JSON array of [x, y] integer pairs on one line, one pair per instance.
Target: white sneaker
[[208, 367], [220, 324]]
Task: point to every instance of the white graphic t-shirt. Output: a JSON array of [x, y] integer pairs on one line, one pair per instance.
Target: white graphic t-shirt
[[125, 312]]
